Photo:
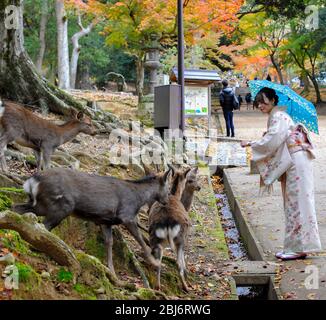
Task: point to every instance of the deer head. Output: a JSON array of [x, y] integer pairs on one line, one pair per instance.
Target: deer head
[[192, 180], [85, 122]]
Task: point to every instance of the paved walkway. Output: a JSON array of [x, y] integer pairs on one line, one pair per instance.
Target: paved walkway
[[265, 214]]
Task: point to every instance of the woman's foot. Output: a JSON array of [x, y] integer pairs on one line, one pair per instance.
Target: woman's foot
[[290, 256]]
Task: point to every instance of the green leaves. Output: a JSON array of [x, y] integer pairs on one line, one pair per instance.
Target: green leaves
[[64, 275]]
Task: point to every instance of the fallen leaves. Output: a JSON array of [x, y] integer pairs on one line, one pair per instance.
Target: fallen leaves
[[290, 295], [311, 296]]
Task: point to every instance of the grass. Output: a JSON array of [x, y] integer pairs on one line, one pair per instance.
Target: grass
[[95, 247], [28, 276], [64, 275], [212, 233], [84, 291], [13, 241], [13, 190], [25, 271], [5, 202]]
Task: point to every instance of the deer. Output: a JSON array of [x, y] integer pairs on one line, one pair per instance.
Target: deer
[[29, 130], [192, 185], [104, 200], [171, 223]]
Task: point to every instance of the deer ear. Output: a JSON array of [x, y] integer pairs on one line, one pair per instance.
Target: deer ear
[[186, 172], [172, 169], [73, 113], [148, 170], [166, 175], [195, 170], [80, 116]]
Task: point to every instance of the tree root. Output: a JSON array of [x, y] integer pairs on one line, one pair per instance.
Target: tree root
[[97, 264], [68, 158], [136, 264], [80, 154], [10, 180], [140, 226], [47, 242], [40, 238]]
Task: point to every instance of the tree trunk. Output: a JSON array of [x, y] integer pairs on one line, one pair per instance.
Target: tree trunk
[[316, 87], [83, 81], [76, 50], [311, 75], [63, 46], [44, 21], [304, 78], [277, 68], [19, 80], [140, 74]]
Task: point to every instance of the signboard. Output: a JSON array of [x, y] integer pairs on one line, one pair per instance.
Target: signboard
[[196, 101]]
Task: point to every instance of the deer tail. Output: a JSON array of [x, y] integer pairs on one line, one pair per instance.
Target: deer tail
[[172, 233], [168, 233], [2, 108], [31, 188]]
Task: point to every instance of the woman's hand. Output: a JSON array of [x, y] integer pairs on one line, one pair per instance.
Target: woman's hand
[[245, 144]]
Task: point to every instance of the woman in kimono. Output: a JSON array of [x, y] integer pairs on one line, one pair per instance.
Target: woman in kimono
[[285, 153]]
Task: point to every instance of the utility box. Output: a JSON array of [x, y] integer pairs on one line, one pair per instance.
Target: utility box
[[167, 109]]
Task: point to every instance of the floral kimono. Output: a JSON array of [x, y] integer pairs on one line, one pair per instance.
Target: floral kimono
[[285, 153]]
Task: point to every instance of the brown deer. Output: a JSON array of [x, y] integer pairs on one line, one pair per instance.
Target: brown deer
[[27, 129], [191, 186], [107, 201], [171, 223]]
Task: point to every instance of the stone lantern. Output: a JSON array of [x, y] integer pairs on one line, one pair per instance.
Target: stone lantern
[[153, 61]]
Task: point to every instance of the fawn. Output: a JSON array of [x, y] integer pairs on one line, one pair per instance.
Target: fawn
[[27, 129], [171, 223]]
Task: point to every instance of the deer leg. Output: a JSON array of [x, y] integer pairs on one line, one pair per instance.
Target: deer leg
[[108, 238], [182, 266], [133, 229], [3, 147], [158, 254], [38, 158], [46, 158]]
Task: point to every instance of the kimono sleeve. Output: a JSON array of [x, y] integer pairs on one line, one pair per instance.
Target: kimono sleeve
[[278, 132]]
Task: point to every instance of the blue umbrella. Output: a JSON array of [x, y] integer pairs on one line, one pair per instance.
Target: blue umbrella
[[300, 109]]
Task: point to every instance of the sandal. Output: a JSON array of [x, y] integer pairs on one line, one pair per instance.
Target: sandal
[[290, 256]]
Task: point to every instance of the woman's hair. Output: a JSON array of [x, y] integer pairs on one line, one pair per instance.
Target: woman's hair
[[264, 93]]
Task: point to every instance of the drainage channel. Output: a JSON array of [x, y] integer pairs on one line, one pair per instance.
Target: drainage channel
[[237, 250]]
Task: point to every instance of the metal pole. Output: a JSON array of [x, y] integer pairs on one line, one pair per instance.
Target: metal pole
[[181, 67]]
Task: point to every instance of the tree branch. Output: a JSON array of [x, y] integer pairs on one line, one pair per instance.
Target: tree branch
[[242, 14]]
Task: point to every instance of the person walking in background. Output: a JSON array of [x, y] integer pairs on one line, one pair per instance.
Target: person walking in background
[[285, 153], [248, 99], [229, 102]]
